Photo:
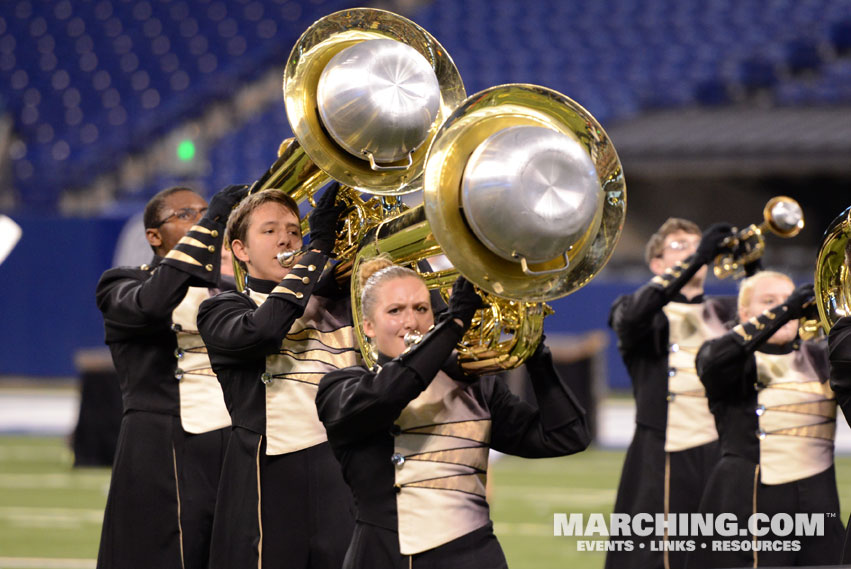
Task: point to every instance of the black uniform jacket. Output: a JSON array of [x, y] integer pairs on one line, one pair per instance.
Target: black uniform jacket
[[137, 305], [359, 407], [642, 330]]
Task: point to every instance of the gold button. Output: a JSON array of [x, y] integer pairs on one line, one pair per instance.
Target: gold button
[[209, 268], [214, 233], [299, 295], [211, 248], [311, 268], [305, 280]]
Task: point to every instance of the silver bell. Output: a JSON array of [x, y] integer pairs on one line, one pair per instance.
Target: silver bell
[[378, 98], [530, 192]]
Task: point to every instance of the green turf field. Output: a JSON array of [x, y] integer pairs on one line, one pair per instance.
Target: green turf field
[[50, 514]]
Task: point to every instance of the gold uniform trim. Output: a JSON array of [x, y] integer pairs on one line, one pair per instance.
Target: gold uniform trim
[[312, 378], [469, 456], [690, 393], [476, 430], [202, 229], [340, 360], [208, 372], [178, 255], [284, 290], [187, 240], [824, 430], [804, 387], [740, 330], [824, 408], [468, 483], [338, 339]]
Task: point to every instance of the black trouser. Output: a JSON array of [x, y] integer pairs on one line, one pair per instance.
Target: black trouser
[[306, 512]]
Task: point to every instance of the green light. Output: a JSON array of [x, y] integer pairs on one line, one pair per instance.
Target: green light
[[186, 150]]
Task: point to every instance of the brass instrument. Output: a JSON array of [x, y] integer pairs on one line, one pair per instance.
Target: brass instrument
[[309, 60], [513, 281], [782, 216], [832, 281], [317, 153]]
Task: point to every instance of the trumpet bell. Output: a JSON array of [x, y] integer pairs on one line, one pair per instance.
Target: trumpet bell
[[524, 192], [783, 216], [333, 124], [832, 280]]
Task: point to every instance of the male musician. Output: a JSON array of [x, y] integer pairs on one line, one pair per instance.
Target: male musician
[[175, 424], [839, 349], [660, 328], [282, 501]]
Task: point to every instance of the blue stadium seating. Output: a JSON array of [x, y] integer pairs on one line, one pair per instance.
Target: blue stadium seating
[[89, 81]]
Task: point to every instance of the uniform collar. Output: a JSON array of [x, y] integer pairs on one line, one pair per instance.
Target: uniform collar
[[260, 285]]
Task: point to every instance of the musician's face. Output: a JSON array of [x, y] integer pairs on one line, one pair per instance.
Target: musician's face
[[677, 247], [768, 293], [403, 305], [272, 229], [180, 211]]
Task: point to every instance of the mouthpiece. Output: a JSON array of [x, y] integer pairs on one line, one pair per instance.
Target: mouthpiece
[[288, 258], [412, 337]]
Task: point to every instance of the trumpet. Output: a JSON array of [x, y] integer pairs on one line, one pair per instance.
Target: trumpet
[[782, 216]]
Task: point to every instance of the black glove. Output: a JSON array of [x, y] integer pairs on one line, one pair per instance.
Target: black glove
[[464, 301], [323, 220], [753, 267], [224, 201], [800, 300], [712, 242], [541, 353]]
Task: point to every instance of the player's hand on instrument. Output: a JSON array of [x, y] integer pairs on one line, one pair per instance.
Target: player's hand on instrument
[[464, 301], [801, 299], [323, 220], [224, 201], [714, 241]]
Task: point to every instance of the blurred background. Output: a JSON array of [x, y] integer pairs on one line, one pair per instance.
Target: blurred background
[[714, 106]]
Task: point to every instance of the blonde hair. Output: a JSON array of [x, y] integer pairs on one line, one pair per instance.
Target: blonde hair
[[746, 289], [374, 272]]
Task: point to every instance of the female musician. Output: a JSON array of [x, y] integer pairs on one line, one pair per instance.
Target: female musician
[[413, 434], [776, 419], [282, 499]]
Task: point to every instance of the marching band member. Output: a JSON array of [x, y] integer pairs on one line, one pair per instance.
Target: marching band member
[[660, 328], [282, 499], [175, 426], [776, 416], [839, 343], [413, 434]]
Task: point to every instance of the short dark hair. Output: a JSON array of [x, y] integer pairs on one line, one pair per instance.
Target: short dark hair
[[154, 209], [240, 217], [656, 244]]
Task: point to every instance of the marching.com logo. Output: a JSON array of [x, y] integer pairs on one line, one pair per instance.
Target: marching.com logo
[[672, 531]]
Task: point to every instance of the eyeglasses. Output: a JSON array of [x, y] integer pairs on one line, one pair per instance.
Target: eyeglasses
[[184, 214], [683, 245]]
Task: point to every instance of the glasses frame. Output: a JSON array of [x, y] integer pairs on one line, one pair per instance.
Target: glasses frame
[[180, 213]]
